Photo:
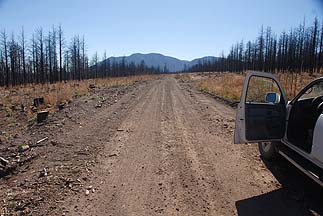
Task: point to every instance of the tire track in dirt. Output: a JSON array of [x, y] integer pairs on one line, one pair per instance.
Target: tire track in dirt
[[102, 129], [173, 155], [215, 161], [125, 175]]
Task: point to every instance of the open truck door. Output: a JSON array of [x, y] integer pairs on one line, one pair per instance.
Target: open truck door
[[261, 113]]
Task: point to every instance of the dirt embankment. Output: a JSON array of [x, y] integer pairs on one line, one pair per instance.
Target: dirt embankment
[[161, 148]]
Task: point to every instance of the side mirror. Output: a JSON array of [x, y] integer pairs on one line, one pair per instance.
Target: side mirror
[[272, 97]]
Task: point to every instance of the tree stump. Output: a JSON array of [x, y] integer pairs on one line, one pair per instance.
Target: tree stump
[[42, 116], [61, 106], [38, 101]]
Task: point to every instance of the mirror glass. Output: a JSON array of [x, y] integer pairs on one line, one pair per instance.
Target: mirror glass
[[272, 97]]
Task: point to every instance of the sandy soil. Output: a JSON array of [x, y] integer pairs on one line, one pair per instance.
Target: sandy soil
[[161, 148]]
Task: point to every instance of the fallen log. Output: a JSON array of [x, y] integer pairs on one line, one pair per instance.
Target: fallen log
[[37, 144], [3, 161]]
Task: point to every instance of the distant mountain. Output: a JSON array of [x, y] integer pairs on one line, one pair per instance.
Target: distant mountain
[[203, 59], [158, 60]]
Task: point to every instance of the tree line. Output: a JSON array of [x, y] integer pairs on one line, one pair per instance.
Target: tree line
[[49, 57], [298, 50]]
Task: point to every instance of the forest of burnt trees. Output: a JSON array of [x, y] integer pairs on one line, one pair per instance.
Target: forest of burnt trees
[[296, 51], [49, 57]]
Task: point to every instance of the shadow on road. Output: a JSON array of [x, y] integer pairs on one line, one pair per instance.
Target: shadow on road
[[298, 194]]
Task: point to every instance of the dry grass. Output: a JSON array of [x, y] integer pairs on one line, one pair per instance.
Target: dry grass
[[54, 94], [229, 85], [226, 85], [293, 83], [16, 102]]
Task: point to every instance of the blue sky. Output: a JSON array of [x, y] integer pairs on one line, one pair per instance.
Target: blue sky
[[181, 28]]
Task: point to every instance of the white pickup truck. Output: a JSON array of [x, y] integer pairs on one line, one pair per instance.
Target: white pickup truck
[[292, 129]]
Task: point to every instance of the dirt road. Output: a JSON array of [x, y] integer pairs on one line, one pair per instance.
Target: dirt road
[[172, 154], [164, 148]]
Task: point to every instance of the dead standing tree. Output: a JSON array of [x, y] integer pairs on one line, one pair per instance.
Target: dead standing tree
[[5, 51]]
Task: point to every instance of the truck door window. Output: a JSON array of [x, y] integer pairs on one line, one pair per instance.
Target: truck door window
[[313, 92], [259, 87]]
